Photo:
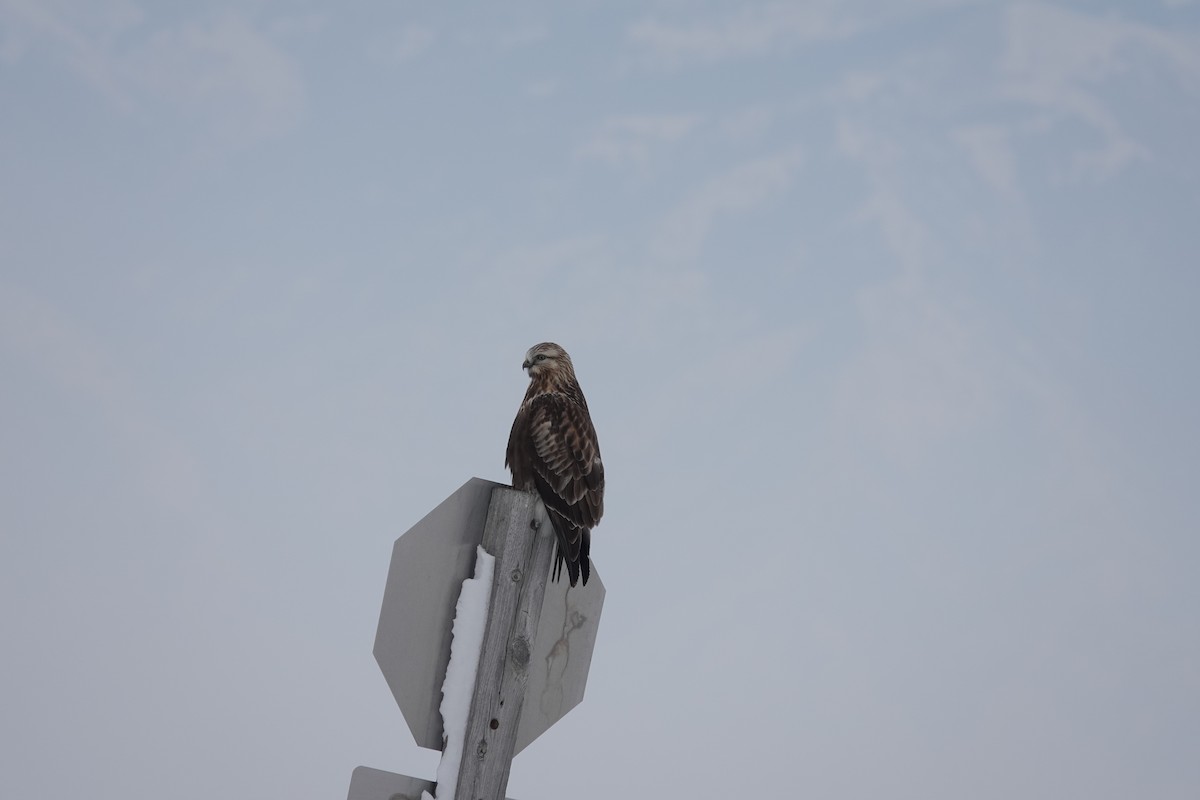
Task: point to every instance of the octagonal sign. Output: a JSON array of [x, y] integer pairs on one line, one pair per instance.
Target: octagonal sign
[[412, 644]]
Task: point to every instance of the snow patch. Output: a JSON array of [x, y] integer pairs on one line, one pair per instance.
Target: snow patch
[[470, 619]]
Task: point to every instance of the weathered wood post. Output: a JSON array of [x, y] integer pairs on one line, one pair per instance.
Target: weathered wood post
[[518, 534]]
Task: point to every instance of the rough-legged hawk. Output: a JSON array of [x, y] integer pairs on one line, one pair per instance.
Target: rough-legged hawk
[[552, 450]]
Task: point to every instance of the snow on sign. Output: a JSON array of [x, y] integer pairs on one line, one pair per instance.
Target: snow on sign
[[412, 644]]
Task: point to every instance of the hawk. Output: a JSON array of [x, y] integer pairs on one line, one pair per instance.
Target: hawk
[[552, 450]]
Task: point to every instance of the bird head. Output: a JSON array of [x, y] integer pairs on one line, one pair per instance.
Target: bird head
[[548, 361]]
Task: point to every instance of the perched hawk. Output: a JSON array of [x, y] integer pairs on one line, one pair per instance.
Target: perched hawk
[[552, 450]]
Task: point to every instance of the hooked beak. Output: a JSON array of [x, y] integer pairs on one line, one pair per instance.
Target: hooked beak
[[525, 365]]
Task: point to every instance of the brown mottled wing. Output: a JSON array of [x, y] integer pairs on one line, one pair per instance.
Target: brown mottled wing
[[566, 457], [519, 456]]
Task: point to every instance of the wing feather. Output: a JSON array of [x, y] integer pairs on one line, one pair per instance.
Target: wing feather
[[567, 458]]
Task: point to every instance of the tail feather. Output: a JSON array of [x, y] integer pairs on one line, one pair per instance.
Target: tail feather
[[585, 548], [565, 546]]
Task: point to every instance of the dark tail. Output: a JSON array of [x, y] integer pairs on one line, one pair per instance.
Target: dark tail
[[578, 566]]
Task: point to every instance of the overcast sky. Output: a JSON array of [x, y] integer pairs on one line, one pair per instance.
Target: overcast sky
[[885, 311]]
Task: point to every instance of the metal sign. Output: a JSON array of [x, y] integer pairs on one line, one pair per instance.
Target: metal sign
[[412, 644], [375, 784]]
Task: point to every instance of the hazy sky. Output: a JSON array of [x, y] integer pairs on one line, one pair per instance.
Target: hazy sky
[[885, 310]]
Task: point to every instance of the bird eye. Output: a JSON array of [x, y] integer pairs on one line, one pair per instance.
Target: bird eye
[[540, 357]]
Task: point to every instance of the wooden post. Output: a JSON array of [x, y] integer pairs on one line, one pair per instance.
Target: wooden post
[[518, 534]]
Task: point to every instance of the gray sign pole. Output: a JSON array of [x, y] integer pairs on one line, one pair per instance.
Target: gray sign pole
[[520, 537]]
